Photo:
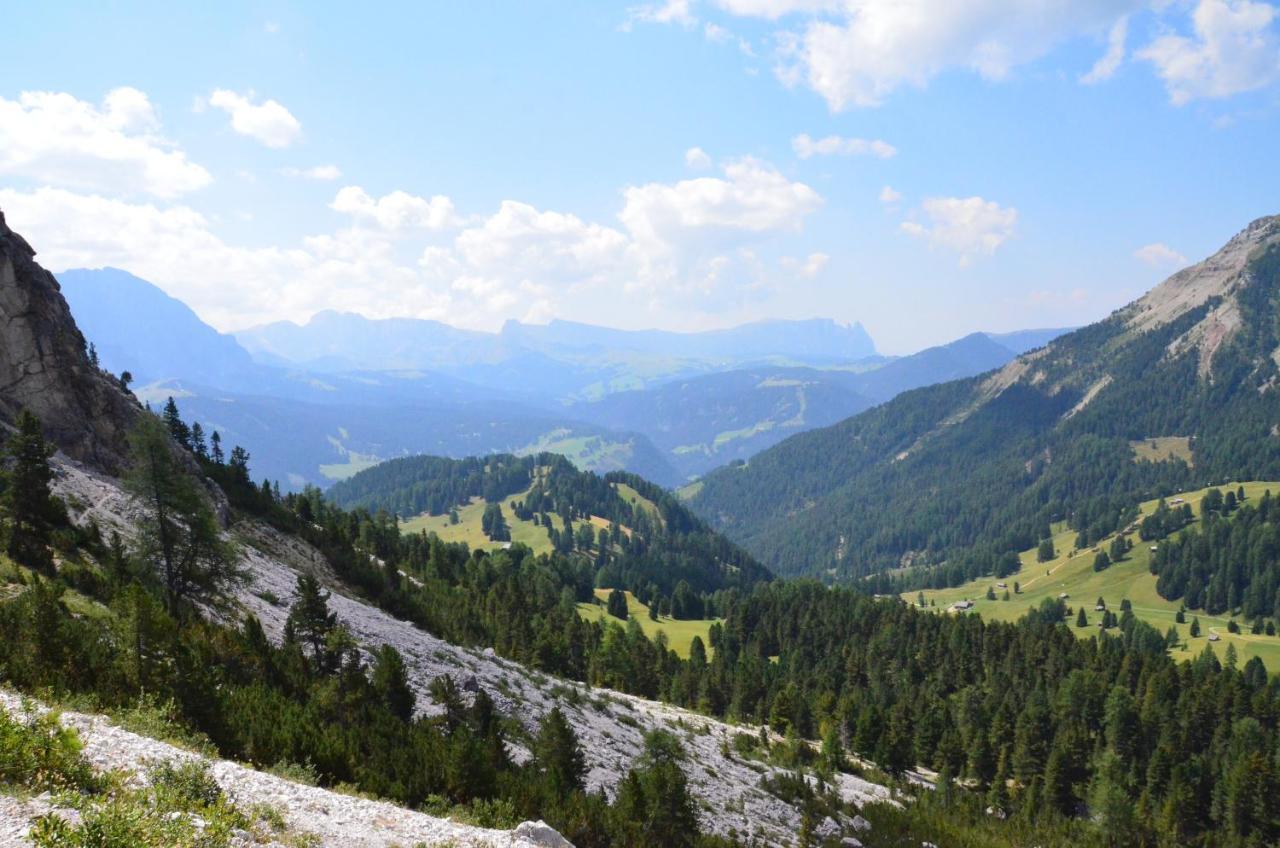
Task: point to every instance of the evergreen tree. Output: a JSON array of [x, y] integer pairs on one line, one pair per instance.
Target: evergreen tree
[[390, 681], [310, 622], [1082, 620], [173, 421], [1045, 552], [617, 604], [215, 448], [179, 535], [27, 501], [557, 755], [198, 445], [1195, 627]]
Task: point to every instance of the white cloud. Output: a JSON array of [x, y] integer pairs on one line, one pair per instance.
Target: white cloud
[[1109, 63], [396, 211], [857, 52], [752, 198], [268, 122], [1235, 49], [809, 268], [522, 242], [889, 195], [56, 138], [318, 172], [774, 9], [1159, 255], [970, 226], [683, 248], [834, 145], [697, 158], [669, 12], [176, 248]]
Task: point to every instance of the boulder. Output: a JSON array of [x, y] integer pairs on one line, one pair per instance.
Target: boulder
[[541, 834]]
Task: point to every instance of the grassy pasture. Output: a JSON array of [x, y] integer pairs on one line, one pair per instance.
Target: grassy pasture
[[1162, 449], [1072, 572], [679, 633], [470, 516]]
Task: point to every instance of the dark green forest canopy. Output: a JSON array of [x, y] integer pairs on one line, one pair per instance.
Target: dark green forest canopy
[[949, 471]]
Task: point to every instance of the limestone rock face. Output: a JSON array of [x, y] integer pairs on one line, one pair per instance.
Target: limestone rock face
[[44, 366]]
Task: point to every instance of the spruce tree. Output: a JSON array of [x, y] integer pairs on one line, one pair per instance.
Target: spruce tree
[[310, 622], [27, 501], [557, 756]]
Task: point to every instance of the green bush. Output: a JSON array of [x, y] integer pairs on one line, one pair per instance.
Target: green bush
[[39, 754]]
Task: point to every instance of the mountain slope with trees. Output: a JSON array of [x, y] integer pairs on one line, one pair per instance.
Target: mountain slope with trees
[[979, 468]]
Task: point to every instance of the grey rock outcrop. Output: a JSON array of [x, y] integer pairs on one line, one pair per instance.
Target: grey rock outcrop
[[44, 366]]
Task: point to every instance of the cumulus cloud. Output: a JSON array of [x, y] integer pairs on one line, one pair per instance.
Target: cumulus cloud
[[753, 197], [268, 122], [396, 211], [697, 158], [854, 53], [969, 226], [318, 172], [890, 195], [1159, 255], [1110, 61], [673, 246], [114, 146], [834, 145], [1235, 48]]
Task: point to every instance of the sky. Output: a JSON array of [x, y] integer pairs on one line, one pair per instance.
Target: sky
[[926, 167]]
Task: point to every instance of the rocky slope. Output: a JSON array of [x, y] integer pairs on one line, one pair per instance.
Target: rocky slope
[[44, 366], [326, 818], [610, 726]]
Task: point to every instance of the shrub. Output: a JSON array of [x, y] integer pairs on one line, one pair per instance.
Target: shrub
[[38, 753]]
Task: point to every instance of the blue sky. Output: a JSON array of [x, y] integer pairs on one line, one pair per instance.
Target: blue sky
[[925, 169]]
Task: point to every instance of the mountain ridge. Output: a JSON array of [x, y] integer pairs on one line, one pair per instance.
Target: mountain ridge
[[990, 461]]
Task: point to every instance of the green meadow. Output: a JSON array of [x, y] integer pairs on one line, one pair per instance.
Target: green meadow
[[679, 633], [1071, 572]]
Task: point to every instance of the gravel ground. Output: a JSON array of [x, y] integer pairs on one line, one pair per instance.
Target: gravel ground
[[336, 819], [610, 726]]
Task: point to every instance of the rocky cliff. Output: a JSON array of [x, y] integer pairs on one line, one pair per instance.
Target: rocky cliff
[[44, 366]]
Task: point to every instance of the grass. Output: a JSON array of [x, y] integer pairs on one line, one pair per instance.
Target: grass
[[469, 528], [585, 452], [1162, 449], [1072, 572], [679, 633]]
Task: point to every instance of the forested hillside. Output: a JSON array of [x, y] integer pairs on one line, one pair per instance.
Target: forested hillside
[[980, 468], [644, 540]]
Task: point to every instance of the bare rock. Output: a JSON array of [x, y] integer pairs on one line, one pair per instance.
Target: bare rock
[[541, 834], [44, 366]]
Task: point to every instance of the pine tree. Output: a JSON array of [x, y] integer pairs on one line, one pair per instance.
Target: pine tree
[[179, 535], [617, 604], [1195, 627], [173, 420], [557, 756], [310, 622], [215, 448], [1082, 620], [27, 501], [198, 445], [390, 681]]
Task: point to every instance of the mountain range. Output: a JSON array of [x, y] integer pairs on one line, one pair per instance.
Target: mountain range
[[320, 401], [1174, 391]]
